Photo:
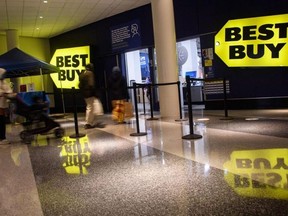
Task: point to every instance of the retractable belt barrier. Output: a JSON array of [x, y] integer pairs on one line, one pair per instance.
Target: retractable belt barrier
[[77, 134], [150, 86], [138, 133], [219, 86], [191, 134]]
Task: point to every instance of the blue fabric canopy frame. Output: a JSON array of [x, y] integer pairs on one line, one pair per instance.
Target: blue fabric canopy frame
[[18, 64]]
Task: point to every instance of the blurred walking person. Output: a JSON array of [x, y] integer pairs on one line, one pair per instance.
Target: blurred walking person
[[5, 89], [93, 104], [118, 94]]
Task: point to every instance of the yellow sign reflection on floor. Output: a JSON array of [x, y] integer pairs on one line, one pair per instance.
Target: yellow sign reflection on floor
[[259, 173], [75, 154]]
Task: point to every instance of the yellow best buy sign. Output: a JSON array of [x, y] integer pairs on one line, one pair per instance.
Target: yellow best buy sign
[[254, 42], [71, 62], [259, 173]]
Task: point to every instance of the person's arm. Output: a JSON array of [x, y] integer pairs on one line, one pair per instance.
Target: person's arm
[[5, 89]]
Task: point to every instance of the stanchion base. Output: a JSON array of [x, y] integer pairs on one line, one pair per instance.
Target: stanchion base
[[77, 135], [150, 119], [192, 136], [139, 134], [226, 118], [181, 119]]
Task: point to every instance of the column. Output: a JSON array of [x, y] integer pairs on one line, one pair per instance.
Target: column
[[12, 41], [167, 66], [12, 38]]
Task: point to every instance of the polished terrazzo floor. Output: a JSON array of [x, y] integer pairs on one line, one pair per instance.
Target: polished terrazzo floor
[[238, 167]]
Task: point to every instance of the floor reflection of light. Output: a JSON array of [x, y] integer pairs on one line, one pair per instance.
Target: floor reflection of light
[[67, 124], [163, 159], [161, 145], [251, 119], [203, 119], [206, 168]]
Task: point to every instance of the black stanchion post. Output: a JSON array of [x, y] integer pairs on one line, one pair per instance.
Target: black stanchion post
[[180, 103], [151, 103], [138, 133], [143, 98], [225, 101], [76, 135], [191, 135]]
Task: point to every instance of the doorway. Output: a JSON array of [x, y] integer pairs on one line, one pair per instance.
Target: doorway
[[140, 69]]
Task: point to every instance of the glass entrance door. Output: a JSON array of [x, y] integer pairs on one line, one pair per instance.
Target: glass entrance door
[[138, 70]]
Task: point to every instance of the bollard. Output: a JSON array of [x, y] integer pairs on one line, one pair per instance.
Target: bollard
[[76, 135], [225, 102], [180, 106], [138, 133], [191, 135], [143, 98], [151, 103]]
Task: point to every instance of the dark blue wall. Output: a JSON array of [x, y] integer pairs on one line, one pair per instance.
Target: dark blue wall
[[194, 18], [98, 34]]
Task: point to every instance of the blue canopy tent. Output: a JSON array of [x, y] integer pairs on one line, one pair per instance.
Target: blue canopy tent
[[18, 64]]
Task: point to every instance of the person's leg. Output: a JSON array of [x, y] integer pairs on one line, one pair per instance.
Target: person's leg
[[121, 116], [98, 113], [118, 111], [49, 122], [89, 118], [114, 110]]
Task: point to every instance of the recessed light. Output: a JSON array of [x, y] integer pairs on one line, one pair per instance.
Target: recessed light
[[45, 1], [41, 17]]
